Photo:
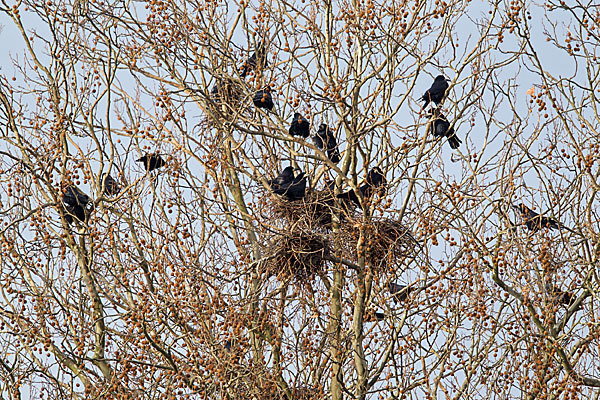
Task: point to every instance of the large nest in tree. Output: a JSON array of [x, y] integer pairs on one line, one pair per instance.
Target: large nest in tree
[[295, 254], [387, 242], [314, 211]]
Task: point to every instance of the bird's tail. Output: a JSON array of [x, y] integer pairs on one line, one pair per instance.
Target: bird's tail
[[454, 142]]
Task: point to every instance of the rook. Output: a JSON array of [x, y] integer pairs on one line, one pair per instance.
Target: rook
[[436, 92], [152, 161]]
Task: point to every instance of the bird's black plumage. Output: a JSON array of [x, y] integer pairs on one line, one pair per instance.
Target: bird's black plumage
[[256, 60], [534, 221], [559, 296], [152, 161], [290, 186], [325, 140], [111, 187], [436, 92], [399, 292], [76, 204], [263, 99], [441, 128], [299, 126], [375, 181]]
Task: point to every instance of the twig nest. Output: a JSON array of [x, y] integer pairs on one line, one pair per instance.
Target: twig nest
[[314, 211], [295, 254]]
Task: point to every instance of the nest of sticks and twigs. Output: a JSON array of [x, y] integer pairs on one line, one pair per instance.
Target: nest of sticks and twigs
[[313, 212], [295, 254], [387, 242]]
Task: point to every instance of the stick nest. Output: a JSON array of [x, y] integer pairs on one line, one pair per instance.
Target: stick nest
[[313, 212], [387, 242], [296, 254]]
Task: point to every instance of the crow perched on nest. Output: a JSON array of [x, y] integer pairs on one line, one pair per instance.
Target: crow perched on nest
[[252, 63], [374, 182], [290, 186], [400, 293], [300, 126], [263, 99], [441, 128], [111, 187], [325, 140], [534, 221], [75, 204], [436, 92], [152, 161]]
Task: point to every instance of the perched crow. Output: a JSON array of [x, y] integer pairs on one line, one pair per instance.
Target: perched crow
[[300, 126], [251, 63], [375, 180], [441, 127], [263, 99], [399, 292], [111, 187], [325, 140], [534, 221], [152, 161], [436, 92], [293, 188], [285, 178], [75, 204], [561, 297], [373, 316]]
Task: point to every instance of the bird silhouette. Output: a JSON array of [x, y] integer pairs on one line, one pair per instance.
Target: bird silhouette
[[290, 186], [561, 297], [436, 92], [325, 140], [152, 161], [534, 221], [400, 293], [75, 204], [300, 126], [263, 99], [441, 128], [111, 187], [258, 59], [375, 181]]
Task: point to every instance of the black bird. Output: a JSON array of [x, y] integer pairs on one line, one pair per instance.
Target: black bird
[[286, 177], [325, 140], [251, 63], [300, 126], [399, 292], [436, 92], [293, 188], [263, 99], [375, 180], [561, 297], [75, 204], [441, 128], [534, 221], [373, 316], [111, 187], [152, 161]]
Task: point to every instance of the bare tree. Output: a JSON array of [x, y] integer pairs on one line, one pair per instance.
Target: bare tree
[[189, 278]]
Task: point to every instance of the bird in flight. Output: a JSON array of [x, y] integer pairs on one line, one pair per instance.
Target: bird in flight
[[152, 161], [436, 92], [325, 140], [300, 126], [441, 128]]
